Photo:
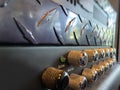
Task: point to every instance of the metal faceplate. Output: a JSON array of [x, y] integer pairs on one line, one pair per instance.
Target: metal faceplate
[[21, 68], [51, 22], [70, 24]]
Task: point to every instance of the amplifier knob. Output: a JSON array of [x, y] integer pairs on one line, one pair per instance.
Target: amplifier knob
[[77, 58], [54, 78], [77, 82], [106, 65], [110, 61], [90, 74], [92, 55], [114, 51], [101, 53], [98, 68], [111, 52], [107, 52]]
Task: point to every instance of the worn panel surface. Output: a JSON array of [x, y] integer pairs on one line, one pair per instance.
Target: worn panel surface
[[21, 67]]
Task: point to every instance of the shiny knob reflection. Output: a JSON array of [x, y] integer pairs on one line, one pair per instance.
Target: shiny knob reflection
[[90, 74], [3, 3], [77, 82], [77, 58], [54, 78], [112, 52], [101, 53], [110, 61], [99, 69], [106, 65], [107, 52], [92, 55]]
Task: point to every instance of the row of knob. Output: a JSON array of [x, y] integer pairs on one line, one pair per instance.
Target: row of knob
[[57, 79], [81, 58]]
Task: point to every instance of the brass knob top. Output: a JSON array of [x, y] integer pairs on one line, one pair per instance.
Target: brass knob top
[[77, 82], [110, 61], [77, 58], [90, 74], [92, 54], [101, 53], [104, 64], [112, 52], [54, 78], [98, 68], [107, 52]]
